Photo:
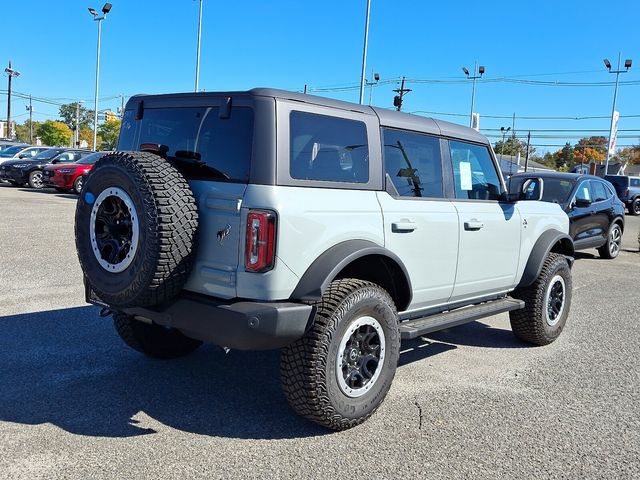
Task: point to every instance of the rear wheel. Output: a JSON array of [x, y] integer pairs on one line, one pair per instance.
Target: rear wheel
[[35, 179], [153, 340], [340, 371], [547, 303], [634, 208], [611, 248]]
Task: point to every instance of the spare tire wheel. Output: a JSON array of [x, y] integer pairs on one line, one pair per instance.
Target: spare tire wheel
[[136, 222]]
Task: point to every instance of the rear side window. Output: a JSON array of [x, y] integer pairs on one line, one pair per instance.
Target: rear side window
[[199, 143], [413, 163], [635, 182], [600, 193], [474, 172], [328, 148]]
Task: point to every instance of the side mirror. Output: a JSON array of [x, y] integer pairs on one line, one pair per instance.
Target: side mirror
[[55, 161], [526, 189], [22, 155], [582, 203]]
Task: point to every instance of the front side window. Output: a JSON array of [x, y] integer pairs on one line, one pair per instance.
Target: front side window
[[412, 161], [474, 172], [329, 149], [196, 140], [599, 191]]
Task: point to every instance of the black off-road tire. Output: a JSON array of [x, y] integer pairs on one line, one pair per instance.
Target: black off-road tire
[[530, 323], [614, 235], [153, 340], [634, 207], [167, 222], [308, 366]]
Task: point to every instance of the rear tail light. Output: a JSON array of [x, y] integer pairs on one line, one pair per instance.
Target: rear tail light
[[259, 254], [625, 193]]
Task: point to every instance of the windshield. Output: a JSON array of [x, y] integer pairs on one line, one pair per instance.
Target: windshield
[[556, 190], [13, 150], [47, 154], [91, 159]]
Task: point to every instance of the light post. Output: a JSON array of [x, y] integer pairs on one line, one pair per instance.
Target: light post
[[504, 133], [376, 79], [97, 18], [198, 48], [473, 77], [627, 66], [364, 52], [11, 72]]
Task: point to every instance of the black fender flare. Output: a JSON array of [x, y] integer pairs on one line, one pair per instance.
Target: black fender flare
[[539, 252], [329, 264]]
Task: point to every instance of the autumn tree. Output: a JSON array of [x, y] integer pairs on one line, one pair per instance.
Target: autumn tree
[[109, 132], [54, 133], [68, 114], [591, 149], [86, 134], [629, 155]]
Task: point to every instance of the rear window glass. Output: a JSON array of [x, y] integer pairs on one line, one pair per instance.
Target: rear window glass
[[328, 149], [617, 181], [556, 190], [198, 142]]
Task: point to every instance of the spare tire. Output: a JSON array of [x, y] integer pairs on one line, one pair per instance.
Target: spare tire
[[136, 222]]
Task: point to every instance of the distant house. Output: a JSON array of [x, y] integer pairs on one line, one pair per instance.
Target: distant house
[[614, 169]]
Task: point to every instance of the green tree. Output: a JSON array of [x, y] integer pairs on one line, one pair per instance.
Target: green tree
[[23, 132], [68, 114], [630, 155], [513, 146], [108, 132], [54, 133]]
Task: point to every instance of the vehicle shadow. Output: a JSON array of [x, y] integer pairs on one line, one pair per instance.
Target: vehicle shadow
[[68, 367], [49, 191]]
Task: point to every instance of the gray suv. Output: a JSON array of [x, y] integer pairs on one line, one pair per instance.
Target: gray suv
[[269, 219]]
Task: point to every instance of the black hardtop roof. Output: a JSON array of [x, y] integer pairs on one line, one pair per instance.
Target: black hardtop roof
[[388, 118]]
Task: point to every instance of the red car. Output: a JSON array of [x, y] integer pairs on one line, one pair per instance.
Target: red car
[[70, 176]]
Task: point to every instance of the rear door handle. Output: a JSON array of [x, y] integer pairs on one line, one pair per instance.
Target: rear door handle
[[403, 226], [473, 225]]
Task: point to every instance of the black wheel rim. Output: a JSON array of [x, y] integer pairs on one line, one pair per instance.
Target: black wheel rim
[[360, 357], [555, 300]]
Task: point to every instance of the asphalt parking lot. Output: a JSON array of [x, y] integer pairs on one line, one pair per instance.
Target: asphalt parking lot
[[469, 402]]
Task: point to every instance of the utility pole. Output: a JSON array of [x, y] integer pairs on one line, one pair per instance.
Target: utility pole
[[121, 106], [11, 73], [364, 52], [526, 158], [77, 135], [397, 100], [198, 48], [30, 121], [97, 18]]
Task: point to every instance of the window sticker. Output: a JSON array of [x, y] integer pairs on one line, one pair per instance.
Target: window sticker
[[465, 176], [585, 192]]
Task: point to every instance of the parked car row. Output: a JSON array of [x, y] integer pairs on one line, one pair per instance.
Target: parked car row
[[39, 167]]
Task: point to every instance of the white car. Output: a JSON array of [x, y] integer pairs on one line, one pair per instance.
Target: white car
[[270, 219], [16, 152]]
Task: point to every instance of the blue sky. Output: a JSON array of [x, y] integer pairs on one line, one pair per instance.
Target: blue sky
[[150, 47]]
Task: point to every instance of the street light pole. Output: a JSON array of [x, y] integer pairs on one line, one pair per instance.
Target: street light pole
[[364, 52], [11, 73], [97, 18], [376, 79], [473, 77], [627, 65], [504, 133], [198, 48]]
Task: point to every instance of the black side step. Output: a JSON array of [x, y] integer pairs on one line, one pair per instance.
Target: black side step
[[432, 323]]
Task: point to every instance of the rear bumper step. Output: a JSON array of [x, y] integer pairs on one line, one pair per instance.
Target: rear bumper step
[[421, 326]]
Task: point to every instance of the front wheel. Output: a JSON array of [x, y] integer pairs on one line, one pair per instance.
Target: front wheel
[[547, 303], [340, 371], [611, 249], [153, 340], [35, 179], [77, 184]]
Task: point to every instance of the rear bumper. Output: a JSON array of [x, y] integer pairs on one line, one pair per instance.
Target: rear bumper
[[240, 325]]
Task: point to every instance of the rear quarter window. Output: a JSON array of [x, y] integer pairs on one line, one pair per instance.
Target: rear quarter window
[[325, 148]]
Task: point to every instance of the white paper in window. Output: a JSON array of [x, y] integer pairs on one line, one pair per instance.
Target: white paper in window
[[465, 176]]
